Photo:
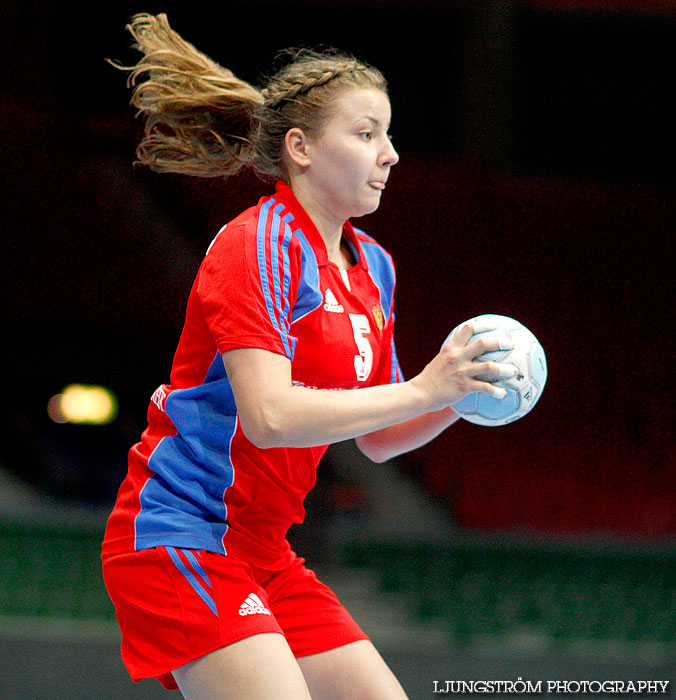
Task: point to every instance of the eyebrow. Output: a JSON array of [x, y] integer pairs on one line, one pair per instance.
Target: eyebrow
[[374, 121]]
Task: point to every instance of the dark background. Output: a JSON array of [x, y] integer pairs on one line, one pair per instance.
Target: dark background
[[537, 180]]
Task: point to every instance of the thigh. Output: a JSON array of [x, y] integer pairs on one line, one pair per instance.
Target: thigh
[[352, 672], [261, 667], [311, 616]]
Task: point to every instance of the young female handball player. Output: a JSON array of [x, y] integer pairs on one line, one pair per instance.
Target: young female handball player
[[287, 347]]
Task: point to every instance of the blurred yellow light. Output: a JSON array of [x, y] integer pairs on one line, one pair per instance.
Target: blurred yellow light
[[86, 404]]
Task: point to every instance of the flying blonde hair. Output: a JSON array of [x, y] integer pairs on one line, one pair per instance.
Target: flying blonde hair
[[203, 120]]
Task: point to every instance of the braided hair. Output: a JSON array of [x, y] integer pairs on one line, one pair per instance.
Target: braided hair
[[202, 120]]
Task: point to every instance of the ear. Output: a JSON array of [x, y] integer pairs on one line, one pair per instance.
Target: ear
[[296, 143]]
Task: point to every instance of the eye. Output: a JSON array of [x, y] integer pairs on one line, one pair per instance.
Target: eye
[[366, 135]]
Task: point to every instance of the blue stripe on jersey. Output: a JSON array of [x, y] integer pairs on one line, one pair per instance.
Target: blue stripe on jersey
[[176, 506], [381, 271], [276, 290], [286, 282], [271, 288], [310, 296], [397, 374], [274, 258], [190, 577], [281, 287]]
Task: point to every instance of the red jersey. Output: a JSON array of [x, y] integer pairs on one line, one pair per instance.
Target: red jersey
[[195, 481]]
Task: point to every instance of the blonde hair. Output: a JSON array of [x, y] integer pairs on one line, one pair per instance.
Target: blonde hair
[[202, 120]]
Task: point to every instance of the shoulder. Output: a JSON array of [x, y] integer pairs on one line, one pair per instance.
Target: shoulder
[[258, 232], [258, 253], [235, 232]]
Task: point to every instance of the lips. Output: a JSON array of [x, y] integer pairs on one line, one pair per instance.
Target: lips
[[377, 184]]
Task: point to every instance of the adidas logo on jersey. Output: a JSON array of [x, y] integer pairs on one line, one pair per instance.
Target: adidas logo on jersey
[[331, 303], [253, 605]]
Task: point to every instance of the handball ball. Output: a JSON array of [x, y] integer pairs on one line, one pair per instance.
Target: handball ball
[[523, 391]]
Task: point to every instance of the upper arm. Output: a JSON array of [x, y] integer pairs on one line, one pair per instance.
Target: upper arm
[[259, 379]]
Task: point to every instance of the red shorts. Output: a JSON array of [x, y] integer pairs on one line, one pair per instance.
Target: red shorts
[[176, 605]]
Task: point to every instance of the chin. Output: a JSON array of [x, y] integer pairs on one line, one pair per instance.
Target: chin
[[370, 206], [364, 212]]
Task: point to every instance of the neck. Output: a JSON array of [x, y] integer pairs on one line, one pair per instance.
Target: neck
[[329, 225]]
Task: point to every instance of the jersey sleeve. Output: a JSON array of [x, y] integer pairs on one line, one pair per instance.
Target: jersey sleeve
[[247, 287]]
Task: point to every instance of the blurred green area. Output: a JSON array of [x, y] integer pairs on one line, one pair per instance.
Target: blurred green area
[[601, 598], [50, 571]]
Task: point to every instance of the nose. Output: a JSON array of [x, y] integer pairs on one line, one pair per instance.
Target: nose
[[388, 156]]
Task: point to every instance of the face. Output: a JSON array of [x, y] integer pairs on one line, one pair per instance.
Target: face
[[350, 160]]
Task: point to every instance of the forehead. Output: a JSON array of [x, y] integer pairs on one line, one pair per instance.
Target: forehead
[[356, 103]]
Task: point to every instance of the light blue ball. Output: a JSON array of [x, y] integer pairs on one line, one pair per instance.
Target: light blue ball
[[524, 390]]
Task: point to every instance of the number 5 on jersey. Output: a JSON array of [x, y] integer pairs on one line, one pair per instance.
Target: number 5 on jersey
[[363, 362]]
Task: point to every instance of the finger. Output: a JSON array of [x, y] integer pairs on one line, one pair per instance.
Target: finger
[[480, 327], [464, 333], [493, 371], [506, 371], [497, 392], [484, 345]]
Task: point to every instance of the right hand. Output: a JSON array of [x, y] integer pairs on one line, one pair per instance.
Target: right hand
[[454, 372]]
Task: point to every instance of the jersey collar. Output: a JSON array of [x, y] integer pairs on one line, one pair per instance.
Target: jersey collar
[[284, 195]]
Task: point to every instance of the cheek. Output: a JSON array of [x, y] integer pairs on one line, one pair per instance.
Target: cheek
[[348, 159], [342, 176], [344, 170], [356, 170], [345, 162]]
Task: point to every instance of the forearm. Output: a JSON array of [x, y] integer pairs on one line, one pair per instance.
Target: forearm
[[303, 417], [386, 443], [274, 412]]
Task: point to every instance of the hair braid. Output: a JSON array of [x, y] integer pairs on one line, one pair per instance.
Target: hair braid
[[287, 89]]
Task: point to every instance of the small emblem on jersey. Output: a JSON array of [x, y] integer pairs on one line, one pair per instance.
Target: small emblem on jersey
[[159, 397], [331, 303], [253, 605], [379, 316]]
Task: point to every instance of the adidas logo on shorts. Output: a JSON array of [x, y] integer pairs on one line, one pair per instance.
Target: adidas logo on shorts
[[253, 605]]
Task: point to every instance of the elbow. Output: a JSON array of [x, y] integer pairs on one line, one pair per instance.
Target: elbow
[[378, 457], [261, 435], [372, 450], [263, 430], [261, 439]]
